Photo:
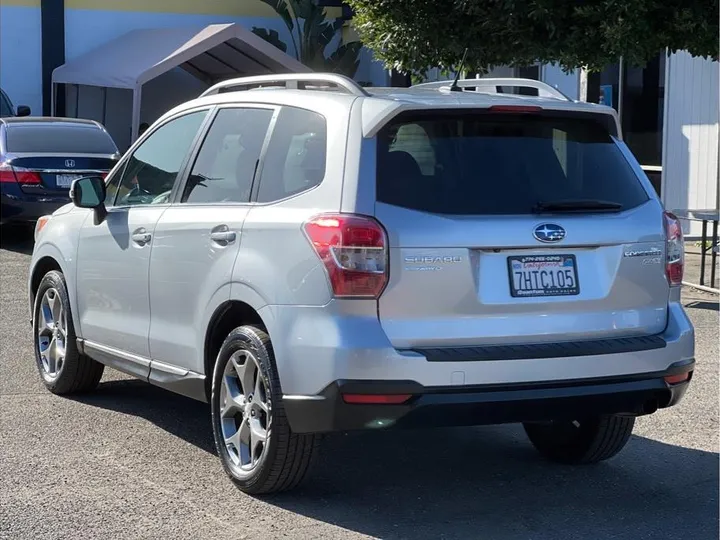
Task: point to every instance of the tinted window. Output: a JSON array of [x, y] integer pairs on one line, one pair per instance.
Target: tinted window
[[151, 171], [6, 108], [295, 159], [500, 163], [59, 138], [226, 163]]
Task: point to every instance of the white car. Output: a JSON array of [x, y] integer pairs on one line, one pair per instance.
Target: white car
[[316, 256]]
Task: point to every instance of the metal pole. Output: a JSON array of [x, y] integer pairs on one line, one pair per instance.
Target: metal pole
[[713, 257], [702, 252], [104, 109], [621, 87]]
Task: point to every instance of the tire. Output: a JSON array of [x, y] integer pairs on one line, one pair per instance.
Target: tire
[[581, 442], [76, 372], [282, 460]]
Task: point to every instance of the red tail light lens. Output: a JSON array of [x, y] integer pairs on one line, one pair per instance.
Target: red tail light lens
[[675, 249], [6, 173], [515, 108], [354, 251], [25, 176], [18, 174]]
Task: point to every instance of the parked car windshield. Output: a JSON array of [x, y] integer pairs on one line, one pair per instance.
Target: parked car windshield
[[59, 138], [501, 163]]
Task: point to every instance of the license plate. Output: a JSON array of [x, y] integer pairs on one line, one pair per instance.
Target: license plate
[[543, 275], [65, 180]]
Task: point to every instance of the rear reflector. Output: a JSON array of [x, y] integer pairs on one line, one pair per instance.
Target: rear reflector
[[680, 377], [377, 399], [515, 108]]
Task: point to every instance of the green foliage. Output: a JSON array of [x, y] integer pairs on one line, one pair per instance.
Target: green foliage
[[311, 34], [415, 35]]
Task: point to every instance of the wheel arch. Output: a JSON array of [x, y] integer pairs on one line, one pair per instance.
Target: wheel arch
[[45, 259], [226, 317]]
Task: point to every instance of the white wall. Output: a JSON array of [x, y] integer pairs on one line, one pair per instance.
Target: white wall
[[690, 141], [567, 83], [20, 56]]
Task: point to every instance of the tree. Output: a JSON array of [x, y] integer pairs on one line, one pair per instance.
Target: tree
[[415, 35], [311, 33]]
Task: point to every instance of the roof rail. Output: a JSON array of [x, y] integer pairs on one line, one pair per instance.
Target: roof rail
[[490, 86], [289, 81]]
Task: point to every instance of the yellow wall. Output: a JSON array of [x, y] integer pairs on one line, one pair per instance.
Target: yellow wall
[[240, 8], [21, 3]]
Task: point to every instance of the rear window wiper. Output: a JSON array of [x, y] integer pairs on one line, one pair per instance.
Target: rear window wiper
[[575, 205]]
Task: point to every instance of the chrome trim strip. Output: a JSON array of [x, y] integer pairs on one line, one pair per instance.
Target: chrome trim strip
[[70, 171], [167, 368], [299, 397], [140, 360]]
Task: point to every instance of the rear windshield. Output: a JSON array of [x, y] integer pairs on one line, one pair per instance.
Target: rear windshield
[[500, 163], [63, 139]]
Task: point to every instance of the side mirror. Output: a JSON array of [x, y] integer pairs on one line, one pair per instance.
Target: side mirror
[[89, 192], [23, 110]]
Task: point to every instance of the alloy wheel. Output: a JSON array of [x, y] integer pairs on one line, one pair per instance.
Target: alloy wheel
[[52, 333], [245, 412]]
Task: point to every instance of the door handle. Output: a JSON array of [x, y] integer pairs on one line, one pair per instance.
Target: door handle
[[222, 235], [141, 237]]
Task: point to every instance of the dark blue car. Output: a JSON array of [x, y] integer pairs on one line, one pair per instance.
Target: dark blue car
[[39, 159]]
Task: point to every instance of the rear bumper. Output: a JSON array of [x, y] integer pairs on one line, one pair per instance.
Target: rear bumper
[[16, 206], [484, 404]]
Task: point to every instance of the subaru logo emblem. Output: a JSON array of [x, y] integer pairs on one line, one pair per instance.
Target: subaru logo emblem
[[548, 233], [70, 163]]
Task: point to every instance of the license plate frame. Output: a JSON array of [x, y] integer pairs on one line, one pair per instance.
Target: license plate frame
[[563, 261], [64, 181]]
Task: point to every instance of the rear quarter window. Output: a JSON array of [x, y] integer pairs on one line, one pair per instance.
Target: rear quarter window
[[296, 156], [499, 163], [59, 139]]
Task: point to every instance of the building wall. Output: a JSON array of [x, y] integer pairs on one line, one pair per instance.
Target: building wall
[[20, 54], [567, 83], [690, 142], [89, 23]]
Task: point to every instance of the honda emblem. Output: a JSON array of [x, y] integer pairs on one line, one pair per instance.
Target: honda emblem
[[70, 163]]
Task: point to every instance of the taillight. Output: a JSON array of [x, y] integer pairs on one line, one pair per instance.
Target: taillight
[[675, 249], [6, 173], [515, 108], [353, 249], [25, 176], [9, 173]]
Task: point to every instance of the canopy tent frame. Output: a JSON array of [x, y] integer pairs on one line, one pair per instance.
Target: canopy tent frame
[[211, 54]]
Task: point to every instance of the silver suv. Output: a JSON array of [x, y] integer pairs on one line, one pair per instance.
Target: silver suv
[[309, 256]]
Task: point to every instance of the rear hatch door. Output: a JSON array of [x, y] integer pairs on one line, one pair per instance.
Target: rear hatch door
[[515, 229]]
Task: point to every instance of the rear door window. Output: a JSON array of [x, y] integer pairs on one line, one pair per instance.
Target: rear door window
[[227, 161], [500, 163], [58, 139]]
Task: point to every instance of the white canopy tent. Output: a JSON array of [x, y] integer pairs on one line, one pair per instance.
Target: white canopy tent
[[211, 53]]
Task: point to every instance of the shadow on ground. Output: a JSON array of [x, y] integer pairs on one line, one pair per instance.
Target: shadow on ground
[[470, 483], [17, 238], [702, 304]]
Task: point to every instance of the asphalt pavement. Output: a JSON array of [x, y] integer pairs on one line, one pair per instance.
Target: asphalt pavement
[[133, 461]]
